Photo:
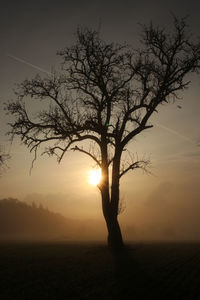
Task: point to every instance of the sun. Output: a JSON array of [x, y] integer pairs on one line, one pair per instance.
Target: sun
[[95, 176]]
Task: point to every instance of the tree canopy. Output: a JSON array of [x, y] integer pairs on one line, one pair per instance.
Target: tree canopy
[[105, 88], [106, 94]]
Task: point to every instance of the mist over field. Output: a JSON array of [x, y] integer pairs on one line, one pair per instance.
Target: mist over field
[[156, 218]]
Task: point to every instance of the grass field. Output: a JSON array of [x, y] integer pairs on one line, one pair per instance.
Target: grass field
[[64, 270]]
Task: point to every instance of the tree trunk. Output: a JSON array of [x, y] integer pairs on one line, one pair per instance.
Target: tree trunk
[[109, 207], [115, 241], [114, 232]]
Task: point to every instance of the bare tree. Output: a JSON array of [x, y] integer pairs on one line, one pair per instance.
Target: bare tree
[[105, 94]]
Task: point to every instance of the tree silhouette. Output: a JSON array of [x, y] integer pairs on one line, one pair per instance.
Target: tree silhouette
[[102, 98]]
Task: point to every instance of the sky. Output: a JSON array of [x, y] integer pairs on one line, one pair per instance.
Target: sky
[[163, 204]]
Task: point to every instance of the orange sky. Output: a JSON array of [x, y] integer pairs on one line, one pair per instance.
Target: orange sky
[[172, 144]]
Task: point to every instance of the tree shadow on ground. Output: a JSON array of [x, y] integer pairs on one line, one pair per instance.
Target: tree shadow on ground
[[132, 281]]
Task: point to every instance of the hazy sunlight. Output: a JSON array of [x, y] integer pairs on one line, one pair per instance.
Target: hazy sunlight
[[95, 176]]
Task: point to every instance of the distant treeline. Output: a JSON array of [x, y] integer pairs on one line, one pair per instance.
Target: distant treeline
[[20, 220]]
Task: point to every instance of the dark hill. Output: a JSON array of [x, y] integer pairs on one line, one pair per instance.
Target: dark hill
[[17, 219], [20, 220]]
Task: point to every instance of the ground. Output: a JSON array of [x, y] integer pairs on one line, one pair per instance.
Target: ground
[[63, 270]]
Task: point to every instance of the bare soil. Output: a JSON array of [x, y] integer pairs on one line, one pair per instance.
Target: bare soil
[[63, 270]]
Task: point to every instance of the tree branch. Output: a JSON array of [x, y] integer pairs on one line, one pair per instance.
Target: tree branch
[[76, 148], [141, 164]]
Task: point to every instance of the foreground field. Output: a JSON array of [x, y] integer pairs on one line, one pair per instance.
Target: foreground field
[[90, 271]]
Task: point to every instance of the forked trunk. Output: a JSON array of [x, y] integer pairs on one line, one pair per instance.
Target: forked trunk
[[114, 232], [115, 241], [110, 202]]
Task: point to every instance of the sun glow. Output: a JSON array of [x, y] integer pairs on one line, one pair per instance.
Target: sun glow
[[95, 176]]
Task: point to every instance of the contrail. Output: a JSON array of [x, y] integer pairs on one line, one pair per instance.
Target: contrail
[[175, 133], [28, 64]]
